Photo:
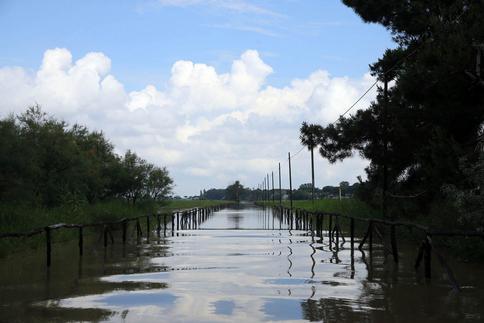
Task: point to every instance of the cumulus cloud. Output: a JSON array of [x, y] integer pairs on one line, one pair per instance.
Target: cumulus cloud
[[208, 127]]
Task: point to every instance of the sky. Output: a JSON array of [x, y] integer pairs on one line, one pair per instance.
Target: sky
[[215, 90]]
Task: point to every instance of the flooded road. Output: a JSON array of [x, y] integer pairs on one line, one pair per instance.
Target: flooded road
[[241, 265]]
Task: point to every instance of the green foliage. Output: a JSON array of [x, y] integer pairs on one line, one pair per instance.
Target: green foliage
[[309, 135], [233, 191], [46, 163], [17, 217], [350, 207], [432, 115]]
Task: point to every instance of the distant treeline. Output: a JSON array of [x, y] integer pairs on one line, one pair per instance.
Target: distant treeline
[[303, 192], [46, 162]]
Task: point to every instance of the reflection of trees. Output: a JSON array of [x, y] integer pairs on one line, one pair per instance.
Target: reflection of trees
[[235, 219], [331, 310]]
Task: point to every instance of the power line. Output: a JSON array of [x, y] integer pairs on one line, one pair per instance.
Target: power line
[[399, 62]]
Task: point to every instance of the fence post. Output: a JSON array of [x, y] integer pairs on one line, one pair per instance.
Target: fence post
[[370, 238], [125, 228], [352, 242], [172, 223], [393, 241], [81, 242], [138, 229], [427, 258], [48, 245], [105, 231], [337, 233]]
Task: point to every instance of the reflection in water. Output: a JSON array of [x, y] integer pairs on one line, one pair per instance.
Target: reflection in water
[[224, 307], [243, 264]]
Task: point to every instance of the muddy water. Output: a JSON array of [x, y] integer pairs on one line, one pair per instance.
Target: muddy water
[[239, 266]]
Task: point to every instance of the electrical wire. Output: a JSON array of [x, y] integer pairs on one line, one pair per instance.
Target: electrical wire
[[398, 63]]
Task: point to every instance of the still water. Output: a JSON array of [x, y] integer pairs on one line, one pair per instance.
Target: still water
[[241, 265]]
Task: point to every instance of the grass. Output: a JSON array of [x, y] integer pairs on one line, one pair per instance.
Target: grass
[[352, 207], [24, 218]]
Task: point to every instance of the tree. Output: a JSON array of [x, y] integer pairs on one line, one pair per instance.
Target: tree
[[159, 183], [309, 137], [432, 114], [45, 162], [233, 191]]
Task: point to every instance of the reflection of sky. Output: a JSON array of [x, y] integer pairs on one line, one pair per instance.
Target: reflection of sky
[[282, 309], [120, 300], [145, 277], [126, 300], [224, 307], [224, 275]]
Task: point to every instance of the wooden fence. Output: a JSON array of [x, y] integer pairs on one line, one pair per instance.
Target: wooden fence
[[314, 222], [177, 220]]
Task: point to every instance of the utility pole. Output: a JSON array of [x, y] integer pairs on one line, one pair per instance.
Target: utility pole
[[272, 174], [264, 189], [312, 174], [280, 187], [290, 179], [268, 189]]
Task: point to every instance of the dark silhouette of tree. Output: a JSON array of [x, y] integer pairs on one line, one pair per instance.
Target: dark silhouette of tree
[[435, 108], [309, 138], [233, 191]]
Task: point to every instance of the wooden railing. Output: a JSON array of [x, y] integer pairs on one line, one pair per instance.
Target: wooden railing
[[178, 220], [314, 221]]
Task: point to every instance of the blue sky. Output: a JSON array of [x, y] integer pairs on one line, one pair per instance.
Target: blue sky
[[140, 42], [143, 38]]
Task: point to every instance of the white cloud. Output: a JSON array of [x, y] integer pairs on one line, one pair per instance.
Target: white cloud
[[208, 127]]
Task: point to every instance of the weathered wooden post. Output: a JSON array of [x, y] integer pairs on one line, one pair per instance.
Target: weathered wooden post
[[48, 245], [370, 238], [177, 221], [81, 242], [393, 241], [105, 234], [428, 257], [330, 225], [321, 226], [337, 233], [158, 227], [352, 242], [138, 226], [125, 229], [172, 223]]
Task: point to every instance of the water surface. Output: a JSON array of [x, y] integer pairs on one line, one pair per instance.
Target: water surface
[[241, 265]]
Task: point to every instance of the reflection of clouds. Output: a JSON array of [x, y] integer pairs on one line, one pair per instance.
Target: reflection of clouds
[[228, 276]]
